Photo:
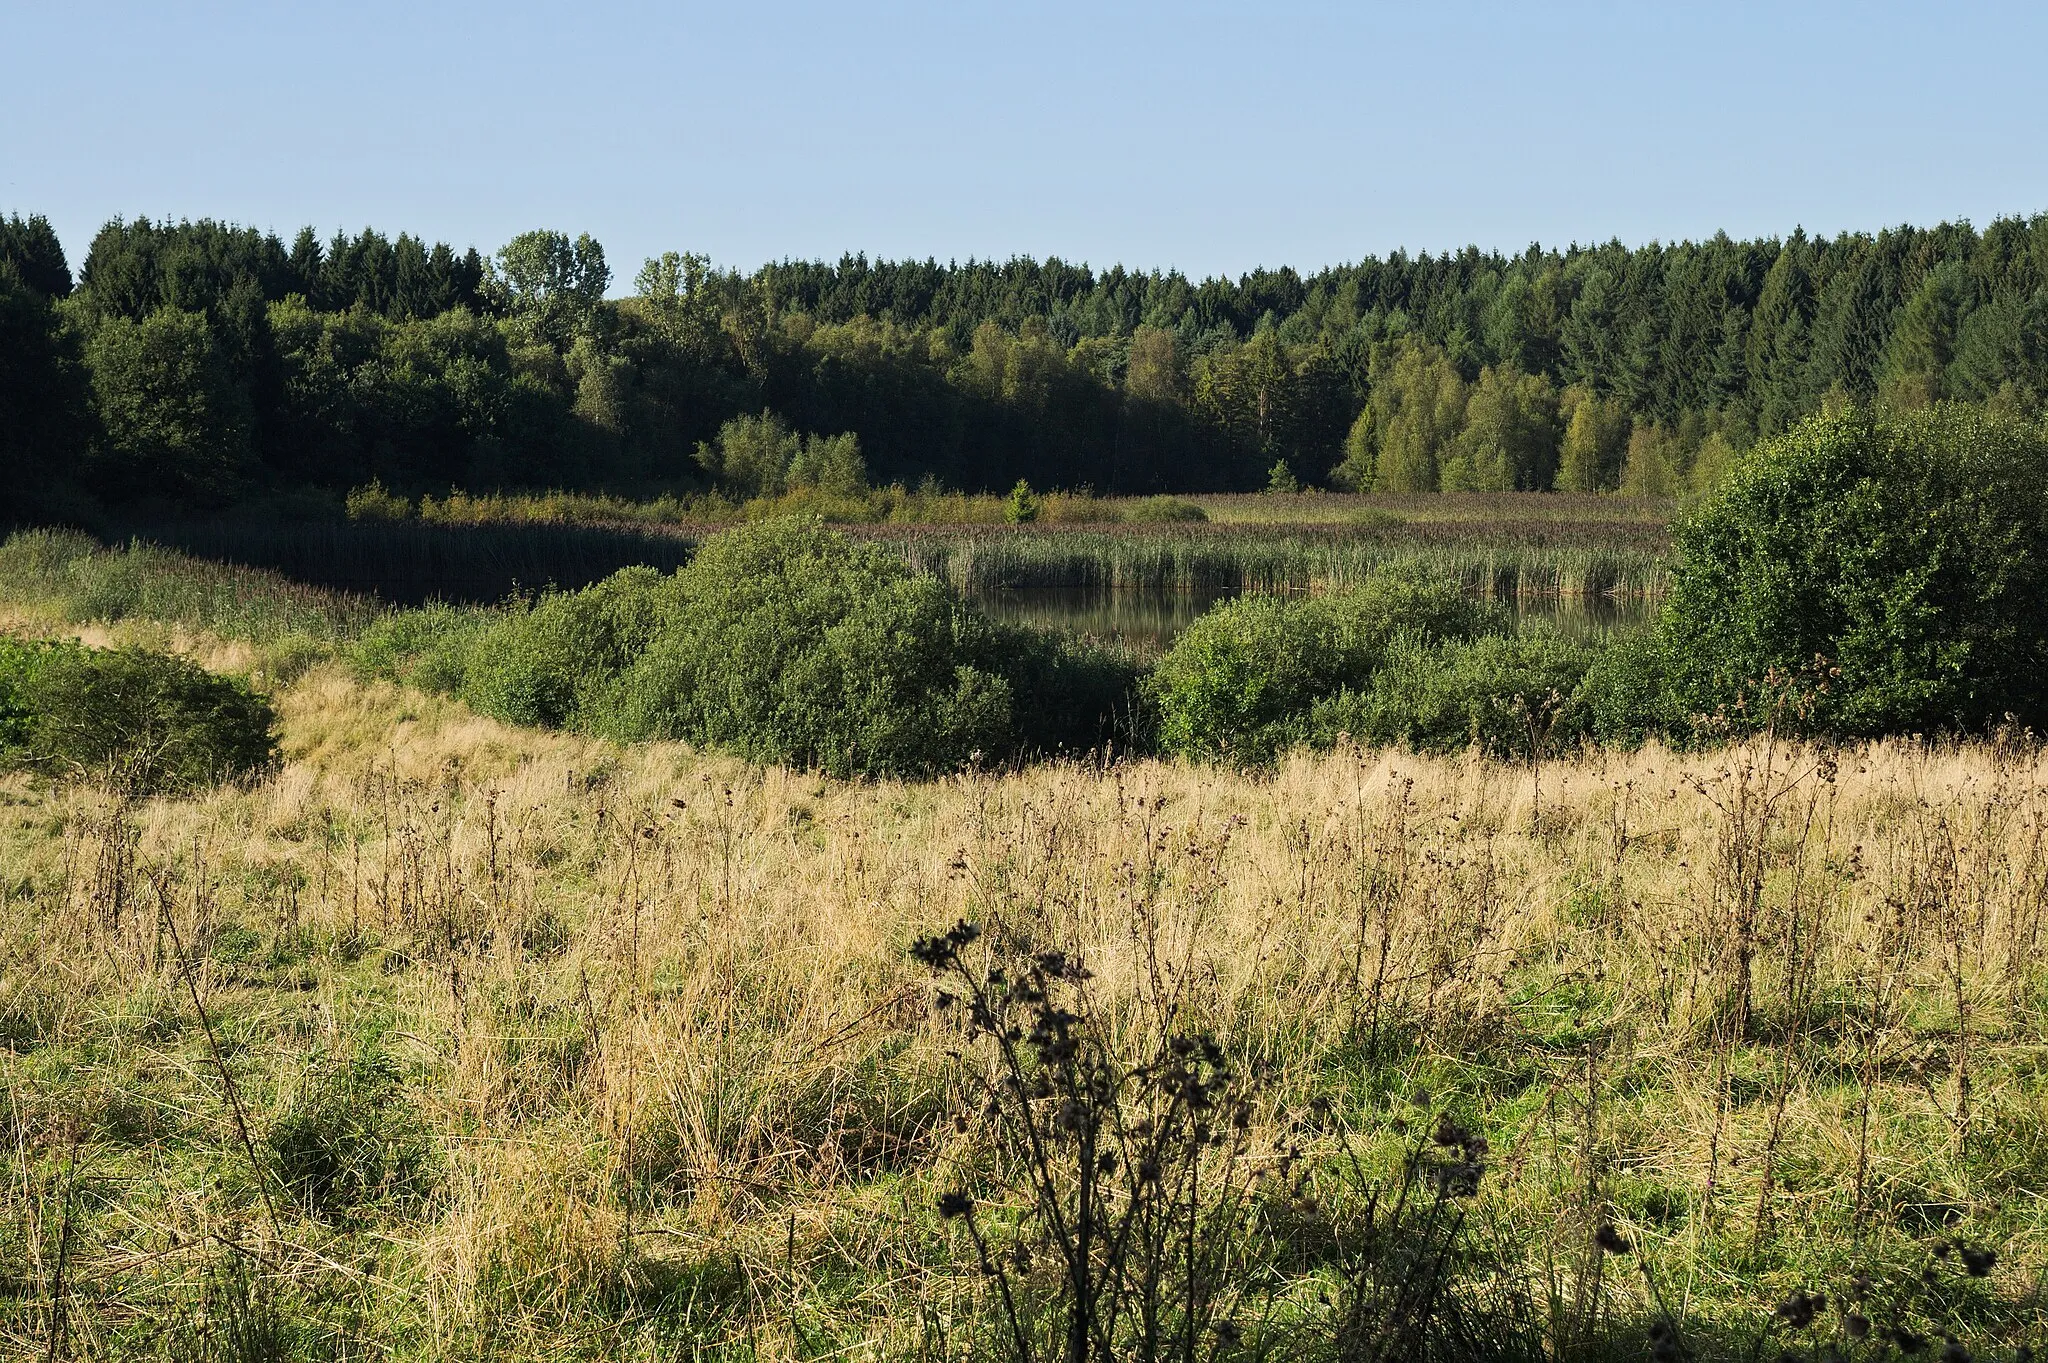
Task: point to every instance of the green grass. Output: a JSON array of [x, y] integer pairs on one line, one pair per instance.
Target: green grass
[[550, 1050], [80, 580], [1503, 559]]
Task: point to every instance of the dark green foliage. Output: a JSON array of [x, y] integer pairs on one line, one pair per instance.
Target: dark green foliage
[[1892, 569], [1509, 694], [1242, 682], [1626, 697], [139, 721], [31, 247], [176, 423], [134, 268], [349, 1140], [418, 403], [429, 648], [372, 357], [1068, 695], [44, 405], [784, 642], [556, 662], [790, 643]]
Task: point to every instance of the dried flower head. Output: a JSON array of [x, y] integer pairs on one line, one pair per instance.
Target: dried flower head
[[1612, 1241], [1799, 1309]]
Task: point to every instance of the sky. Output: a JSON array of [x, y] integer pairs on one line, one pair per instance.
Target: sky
[[1211, 138]]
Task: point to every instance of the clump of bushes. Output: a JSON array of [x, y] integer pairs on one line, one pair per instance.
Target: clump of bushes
[[1882, 572], [1243, 682], [138, 721], [1892, 567], [1510, 694], [781, 641], [787, 642]]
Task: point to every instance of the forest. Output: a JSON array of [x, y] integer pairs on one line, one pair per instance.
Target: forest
[[193, 365]]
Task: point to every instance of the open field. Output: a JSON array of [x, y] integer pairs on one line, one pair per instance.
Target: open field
[[454, 1040]]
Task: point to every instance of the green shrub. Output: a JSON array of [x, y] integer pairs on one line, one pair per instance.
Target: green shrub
[[1164, 509], [142, 722], [372, 502], [17, 720], [1626, 697], [1500, 692], [348, 1139], [1024, 506], [787, 642], [1241, 682], [1067, 694], [552, 664], [428, 648], [1908, 551]]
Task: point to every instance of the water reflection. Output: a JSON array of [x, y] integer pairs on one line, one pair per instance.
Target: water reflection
[[1149, 620]]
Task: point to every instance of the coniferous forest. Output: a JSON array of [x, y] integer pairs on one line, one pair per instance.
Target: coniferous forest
[[194, 364]]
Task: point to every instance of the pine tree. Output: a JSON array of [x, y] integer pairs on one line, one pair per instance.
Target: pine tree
[[1776, 357], [30, 245]]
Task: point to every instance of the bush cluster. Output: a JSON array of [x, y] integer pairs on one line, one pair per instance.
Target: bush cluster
[[1397, 660], [137, 721], [1890, 568], [782, 642], [1244, 682]]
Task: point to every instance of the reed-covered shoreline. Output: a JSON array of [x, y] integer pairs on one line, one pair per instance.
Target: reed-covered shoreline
[[413, 561]]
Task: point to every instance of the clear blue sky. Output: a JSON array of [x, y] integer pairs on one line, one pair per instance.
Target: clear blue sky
[[1212, 138]]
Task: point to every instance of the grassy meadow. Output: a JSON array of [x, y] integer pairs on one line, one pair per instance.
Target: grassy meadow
[[455, 1040]]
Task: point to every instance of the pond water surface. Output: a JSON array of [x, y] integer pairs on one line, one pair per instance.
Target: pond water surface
[[1149, 620]]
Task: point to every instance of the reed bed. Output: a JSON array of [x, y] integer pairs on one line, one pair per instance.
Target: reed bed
[[411, 561], [1477, 508], [459, 1041], [1500, 559]]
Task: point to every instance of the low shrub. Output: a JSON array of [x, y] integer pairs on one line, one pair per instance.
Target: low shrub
[[1069, 695], [1164, 509], [784, 641], [1504, 693], [789, 643], [1241, 683], [552, 663], [1897, 563], [1626, 697], [141, 722], [428, 648]]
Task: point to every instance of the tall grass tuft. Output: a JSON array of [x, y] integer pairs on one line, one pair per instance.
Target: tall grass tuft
[[75, 576]]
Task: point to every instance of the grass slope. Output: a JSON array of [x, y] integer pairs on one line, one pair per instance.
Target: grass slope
[[460, 1041]]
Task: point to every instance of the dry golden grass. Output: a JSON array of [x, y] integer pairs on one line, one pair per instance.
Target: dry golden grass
[[1775, 1013]]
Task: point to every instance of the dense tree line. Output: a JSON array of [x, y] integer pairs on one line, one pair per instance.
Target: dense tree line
[[202, 361]]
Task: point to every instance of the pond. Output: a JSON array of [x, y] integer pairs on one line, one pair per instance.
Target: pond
[[1148, 621]]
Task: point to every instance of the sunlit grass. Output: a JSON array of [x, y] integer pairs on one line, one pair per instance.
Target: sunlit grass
[[1772, 1013]]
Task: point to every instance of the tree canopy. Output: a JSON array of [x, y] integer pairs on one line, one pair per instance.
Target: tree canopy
[[330, 363]]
